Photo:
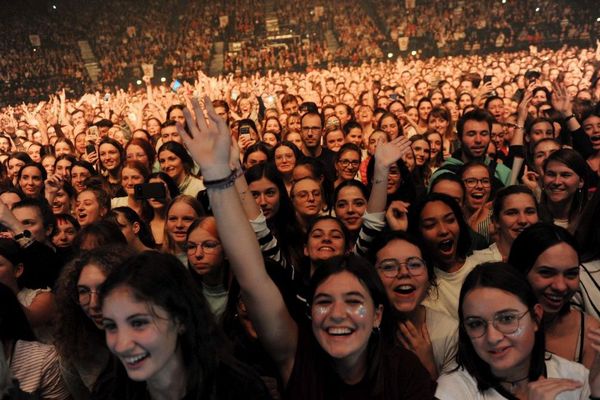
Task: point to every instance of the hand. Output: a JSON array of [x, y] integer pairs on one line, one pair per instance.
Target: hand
[[561, 100], [530, 179], [244, 141], [419, 343], [8, 219], [53, 184], [209, 142], [92, 158], [549, 388], [523, 109], [479, 214], [397, 215], [388, 153]]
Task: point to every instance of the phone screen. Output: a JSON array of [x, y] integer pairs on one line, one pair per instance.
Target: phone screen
[[175, 85]]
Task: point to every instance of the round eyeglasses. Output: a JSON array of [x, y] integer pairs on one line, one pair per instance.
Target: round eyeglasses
[[208, 246], [505, 322], [390, 268]]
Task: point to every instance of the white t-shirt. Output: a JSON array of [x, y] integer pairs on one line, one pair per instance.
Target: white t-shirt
[[443, 333], [445, 298], [460, 385]]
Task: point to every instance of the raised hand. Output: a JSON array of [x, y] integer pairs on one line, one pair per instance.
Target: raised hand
[[523, 109], [208, 141], [387, 154], [561, 100], [530, 179], [397, 215]]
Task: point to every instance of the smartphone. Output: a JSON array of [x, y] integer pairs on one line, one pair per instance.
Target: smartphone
[[92, 133], [394, 96], [175, 85], [90, 148], [145, 191], [244, 130], [107, 97], [487, 78]]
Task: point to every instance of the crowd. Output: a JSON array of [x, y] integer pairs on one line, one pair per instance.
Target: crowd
[[412, 229], [177, 36], [465, 26]]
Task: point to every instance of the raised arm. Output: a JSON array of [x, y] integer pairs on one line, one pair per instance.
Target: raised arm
[[210, 146], [386, 155]]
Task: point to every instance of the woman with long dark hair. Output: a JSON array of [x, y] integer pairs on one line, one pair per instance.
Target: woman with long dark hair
[[164, 338], [501, 350], [547, 255], [79, 338], [341, 354]]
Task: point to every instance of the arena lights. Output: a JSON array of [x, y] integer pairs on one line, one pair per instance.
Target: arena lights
[[537, 9], [390, 55], [598, 19], [54, 6], [163, 79], [503, 1], [414, 52], [139, 81]]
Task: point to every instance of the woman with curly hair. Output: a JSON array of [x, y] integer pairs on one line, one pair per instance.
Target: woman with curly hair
[[79, 338]]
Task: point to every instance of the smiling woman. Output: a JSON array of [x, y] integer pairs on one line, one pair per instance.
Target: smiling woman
[[547, 255], [438, 222], [161, 330], [501, 345]]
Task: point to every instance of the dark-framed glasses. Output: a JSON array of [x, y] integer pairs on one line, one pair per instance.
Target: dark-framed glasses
[[208, 246], [415, 265]]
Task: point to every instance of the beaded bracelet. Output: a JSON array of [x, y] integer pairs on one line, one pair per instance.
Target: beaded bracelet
[[225, 182]]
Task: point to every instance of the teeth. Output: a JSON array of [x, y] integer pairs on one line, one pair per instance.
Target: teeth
[[133, 360], [327, 248], [405, 287], [339, 331]]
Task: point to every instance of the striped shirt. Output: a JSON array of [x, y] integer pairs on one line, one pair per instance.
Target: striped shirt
[[36, 366]]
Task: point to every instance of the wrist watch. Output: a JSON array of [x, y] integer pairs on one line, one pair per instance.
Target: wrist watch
[[26, 234]]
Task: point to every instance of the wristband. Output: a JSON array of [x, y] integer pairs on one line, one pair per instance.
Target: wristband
[[569, 117], [223, 183]]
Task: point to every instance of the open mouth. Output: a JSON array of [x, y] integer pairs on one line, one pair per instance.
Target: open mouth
[[595, 138], [445, 246], [477, 195], [554, 300], [405, 289], [339, 331], [82, 216], [135, 361], [326, 248]]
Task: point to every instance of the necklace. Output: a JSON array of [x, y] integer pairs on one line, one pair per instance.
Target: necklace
[[513, 384]]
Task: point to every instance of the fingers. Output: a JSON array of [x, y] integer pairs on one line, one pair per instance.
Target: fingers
[[550, 388]]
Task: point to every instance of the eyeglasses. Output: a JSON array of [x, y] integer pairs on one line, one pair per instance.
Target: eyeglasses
[[84, 295], [208, 246], [415, 266], [345, 162], [504, 322], [472, 182]]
